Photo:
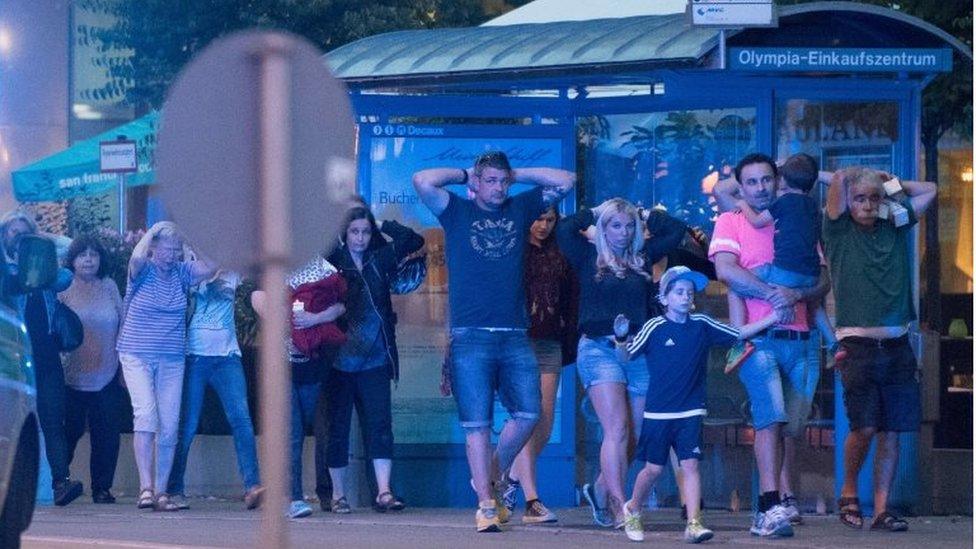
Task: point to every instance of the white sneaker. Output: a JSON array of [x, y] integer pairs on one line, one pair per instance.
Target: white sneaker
[[792, 510], [298, 509], [773, 522], [695, 532], [180, 501], [632, 523]]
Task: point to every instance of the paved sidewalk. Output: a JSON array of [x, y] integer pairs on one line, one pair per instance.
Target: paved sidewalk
[[221, 523]]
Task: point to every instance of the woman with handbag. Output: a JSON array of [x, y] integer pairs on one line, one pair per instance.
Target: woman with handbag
[[363, 366], [151, 347], [93, 392], [51, 327]]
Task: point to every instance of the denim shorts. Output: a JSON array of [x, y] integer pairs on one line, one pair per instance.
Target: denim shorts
[[597, 362], [780, 378], [485, 361]]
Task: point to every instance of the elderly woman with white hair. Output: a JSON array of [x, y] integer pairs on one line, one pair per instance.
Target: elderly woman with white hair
[[614, 277], [151, 346]]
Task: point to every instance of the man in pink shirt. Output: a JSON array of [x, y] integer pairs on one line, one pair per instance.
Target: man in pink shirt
[[781, 375]]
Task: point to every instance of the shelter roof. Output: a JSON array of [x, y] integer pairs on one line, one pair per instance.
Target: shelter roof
[[638, 42]]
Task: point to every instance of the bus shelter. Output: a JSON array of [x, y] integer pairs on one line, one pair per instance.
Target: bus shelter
[[648, 108]]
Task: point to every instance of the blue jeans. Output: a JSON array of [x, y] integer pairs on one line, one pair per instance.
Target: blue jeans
[[304, 399], [780, 378], [771, 274], [483, 362], [226, 375]]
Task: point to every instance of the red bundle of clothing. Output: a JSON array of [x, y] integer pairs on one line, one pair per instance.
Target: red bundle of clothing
[[317, 297]]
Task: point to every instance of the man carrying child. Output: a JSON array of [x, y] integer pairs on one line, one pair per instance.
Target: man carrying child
[[782, 374]]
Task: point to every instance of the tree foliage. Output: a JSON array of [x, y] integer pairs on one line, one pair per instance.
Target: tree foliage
[[149, 41]]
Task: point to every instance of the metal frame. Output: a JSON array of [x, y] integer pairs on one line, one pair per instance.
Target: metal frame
[[690, 89]]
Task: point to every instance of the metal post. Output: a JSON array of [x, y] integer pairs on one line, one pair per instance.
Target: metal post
[[721, 48], [275, 241], [121, 178]]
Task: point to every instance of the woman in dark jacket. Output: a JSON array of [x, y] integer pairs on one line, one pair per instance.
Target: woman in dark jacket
[[363, 367]]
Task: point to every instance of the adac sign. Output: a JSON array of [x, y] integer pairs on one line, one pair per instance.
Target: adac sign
[[840, 59]]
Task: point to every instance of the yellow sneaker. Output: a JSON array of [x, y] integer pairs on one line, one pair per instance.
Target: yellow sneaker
[[486, 518], [633, 526], [695, 532]]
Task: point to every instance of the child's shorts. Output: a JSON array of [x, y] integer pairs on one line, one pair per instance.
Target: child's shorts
[[658, 436]]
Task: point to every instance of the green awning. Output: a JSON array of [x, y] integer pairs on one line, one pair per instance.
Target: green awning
[[649, 38], [75, 172]]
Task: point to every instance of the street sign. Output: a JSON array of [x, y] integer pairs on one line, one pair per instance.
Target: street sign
[[208, 164], [732, 13], [256, 164], [846, 60], [118, 156]]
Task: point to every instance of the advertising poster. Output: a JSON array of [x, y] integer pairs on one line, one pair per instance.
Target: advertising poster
[[422, 415]]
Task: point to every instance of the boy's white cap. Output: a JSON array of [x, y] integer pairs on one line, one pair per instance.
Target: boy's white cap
[[682, 273]]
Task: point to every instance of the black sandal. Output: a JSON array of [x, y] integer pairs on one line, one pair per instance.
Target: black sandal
[[890, 522], [341, 506], [387, 502], [850, 512]]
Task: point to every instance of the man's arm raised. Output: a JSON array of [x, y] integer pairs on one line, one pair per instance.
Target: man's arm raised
[[837, 195], [555, 183], [920, 194], [430, 186]]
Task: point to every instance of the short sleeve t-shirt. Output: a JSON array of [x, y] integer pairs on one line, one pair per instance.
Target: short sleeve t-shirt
[[754, 247], [797, 232], [677, 360], [485, 258], [870, 271], [212, 331], [98, 304], [155, 322]]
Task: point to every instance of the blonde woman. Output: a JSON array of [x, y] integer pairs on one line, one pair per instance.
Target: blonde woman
[[614, 276], [151, 346]]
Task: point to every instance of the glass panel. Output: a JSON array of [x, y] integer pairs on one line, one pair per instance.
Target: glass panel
[[669, 159], [838, 134]]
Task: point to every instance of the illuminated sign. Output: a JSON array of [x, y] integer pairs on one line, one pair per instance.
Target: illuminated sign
[[840, 59]]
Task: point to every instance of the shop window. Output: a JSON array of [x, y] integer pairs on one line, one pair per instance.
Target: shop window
[[838, 134], [664, 159]]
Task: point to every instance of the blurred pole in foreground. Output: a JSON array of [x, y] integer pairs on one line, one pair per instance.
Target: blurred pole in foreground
[[274, 225]]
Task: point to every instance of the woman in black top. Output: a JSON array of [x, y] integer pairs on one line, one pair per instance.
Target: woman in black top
[[551, 293], [612, 261], [363, 366]]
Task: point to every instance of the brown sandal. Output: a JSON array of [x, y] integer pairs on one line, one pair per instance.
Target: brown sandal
[[890, 522], [850, 512]]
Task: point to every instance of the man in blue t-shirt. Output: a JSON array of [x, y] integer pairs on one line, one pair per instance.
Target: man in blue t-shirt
[[675, 346], [485, 238]]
